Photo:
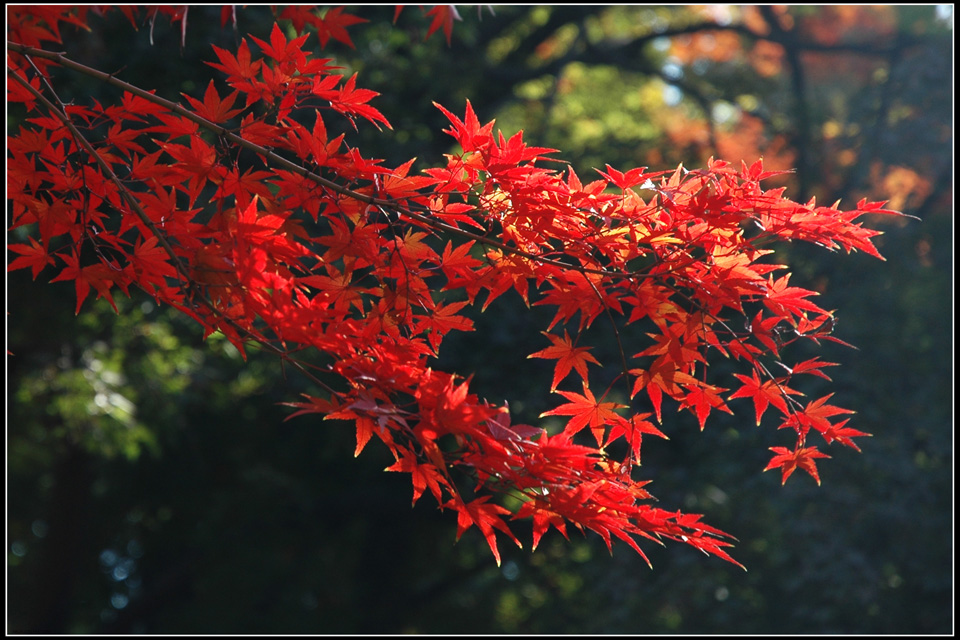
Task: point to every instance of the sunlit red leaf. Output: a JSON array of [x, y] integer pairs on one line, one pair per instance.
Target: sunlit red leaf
[[443, 16], [789, 461], [586, 411], [763, 393], [486, 517], [212, 108], [568, 358]]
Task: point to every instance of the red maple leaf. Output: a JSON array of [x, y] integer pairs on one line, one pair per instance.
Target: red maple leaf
[[334, 24], [100, 276], [763, 393], [212, 108], [663, 375], [842, 434], [569, 357], [701, 398], [312, 405], [351, 101], [151, 262], [443, 16], [624, 181], [816, 414], [443, 319], [468, 131], [487, 517], [789, 461], [586, 410], [240, 69], [632, 431], [34, 256], [784, 300], [543, 519], [282, 51], [423, 474], [812, 366]]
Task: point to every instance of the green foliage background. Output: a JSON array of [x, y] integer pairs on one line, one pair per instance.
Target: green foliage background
[[153, 486]]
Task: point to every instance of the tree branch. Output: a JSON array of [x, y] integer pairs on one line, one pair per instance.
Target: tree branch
[[302, 171]]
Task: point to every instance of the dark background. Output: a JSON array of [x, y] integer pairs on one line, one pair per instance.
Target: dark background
[[153, 486]]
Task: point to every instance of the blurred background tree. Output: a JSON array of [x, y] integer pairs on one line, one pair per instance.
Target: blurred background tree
[[154, 487]]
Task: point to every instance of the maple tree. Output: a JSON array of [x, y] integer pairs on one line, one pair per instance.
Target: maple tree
[[240, 211]]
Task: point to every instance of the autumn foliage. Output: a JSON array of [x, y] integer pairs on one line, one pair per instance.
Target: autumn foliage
[[239, 209]]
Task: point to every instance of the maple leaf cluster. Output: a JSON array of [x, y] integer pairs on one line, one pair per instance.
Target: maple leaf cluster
[[242, 212]]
